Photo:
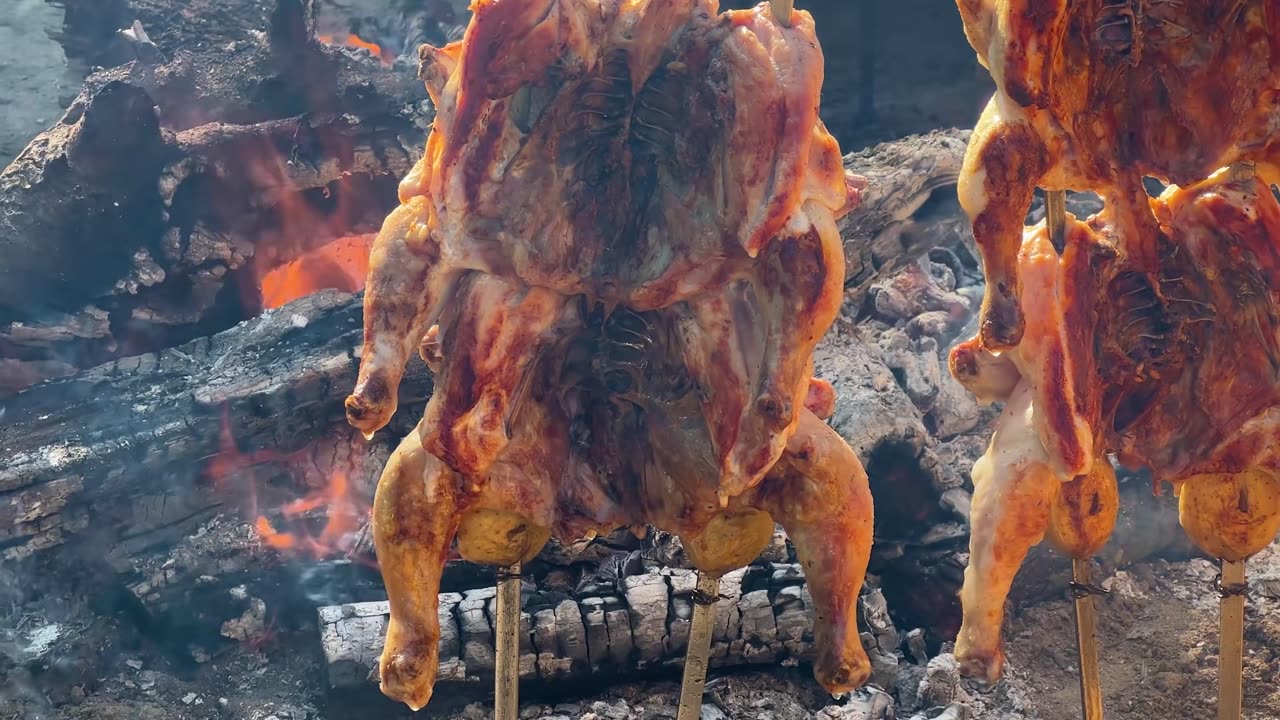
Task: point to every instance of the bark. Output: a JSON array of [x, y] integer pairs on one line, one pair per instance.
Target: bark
[[764, 616], [121, 454], [909, 207]]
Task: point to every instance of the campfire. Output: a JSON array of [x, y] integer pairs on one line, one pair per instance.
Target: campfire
[[188, 513]]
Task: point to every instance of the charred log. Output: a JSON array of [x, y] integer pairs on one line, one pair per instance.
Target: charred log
[[129, 443], [147, 214], [764, 616]]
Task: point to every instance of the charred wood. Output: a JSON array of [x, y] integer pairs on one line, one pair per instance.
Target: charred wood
[[129, 443], [147, 214], [764, 616]]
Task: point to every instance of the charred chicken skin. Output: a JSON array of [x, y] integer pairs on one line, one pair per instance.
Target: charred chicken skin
[[1181, 376], [624, 226], [1094, 95]]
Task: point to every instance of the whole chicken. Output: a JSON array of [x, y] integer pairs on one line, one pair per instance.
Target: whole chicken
[[1182, 378], [1095, 95], [624, 225]]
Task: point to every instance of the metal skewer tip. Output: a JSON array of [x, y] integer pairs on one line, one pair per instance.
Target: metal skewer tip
[[1231, 650], [782, 11], [698, 655], [1087, 641], [506, 701]]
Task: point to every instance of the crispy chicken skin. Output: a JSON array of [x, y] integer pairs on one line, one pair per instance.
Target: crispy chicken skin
[[617, 255], [1094, 95], [1180, 375]]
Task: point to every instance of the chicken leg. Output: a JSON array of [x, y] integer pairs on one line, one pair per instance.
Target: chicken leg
[[414, 520], [1004, 160], [818, 491], [419, 507], [406, 288], [1014, 491]]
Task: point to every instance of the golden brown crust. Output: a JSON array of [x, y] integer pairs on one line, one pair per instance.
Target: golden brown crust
[[1084, 513], [1232, 516]]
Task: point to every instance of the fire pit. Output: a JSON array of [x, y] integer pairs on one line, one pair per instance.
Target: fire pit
[[184, 510]]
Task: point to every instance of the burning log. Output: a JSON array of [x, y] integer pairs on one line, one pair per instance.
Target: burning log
[[151, 212], [764, 616], [132, 440]]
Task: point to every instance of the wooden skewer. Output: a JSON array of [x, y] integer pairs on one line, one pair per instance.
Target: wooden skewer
[[1087, 643], [506, 701], [1231, 639], [698, 655], [1055, 206], [782, 11], [1055, 210]]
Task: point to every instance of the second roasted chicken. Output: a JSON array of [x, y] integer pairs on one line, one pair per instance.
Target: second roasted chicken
[[624, 225], [1181, 377]]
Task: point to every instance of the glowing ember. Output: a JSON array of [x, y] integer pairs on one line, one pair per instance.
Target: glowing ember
[[339, 265], [355, 41], [343, 508]]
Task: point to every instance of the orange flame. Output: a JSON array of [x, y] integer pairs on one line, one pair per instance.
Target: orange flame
[[343, 519], [339, 265], [229, 460], [355, 41], [345, 511]]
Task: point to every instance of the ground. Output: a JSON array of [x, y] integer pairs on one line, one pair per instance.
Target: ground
[[37, 83], [1158, 638]]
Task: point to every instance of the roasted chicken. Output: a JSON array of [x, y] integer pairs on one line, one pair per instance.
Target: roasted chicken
[[1180, 375], [1094, 95], [624, 225]]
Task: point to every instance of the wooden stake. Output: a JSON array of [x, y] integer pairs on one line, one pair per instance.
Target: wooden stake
[[1087, 642], [1231, 638], [782, 11], [506, 696], [699, 652], [1055, 210]]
